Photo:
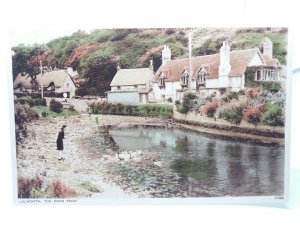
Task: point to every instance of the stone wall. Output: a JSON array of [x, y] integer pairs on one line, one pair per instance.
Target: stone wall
[[220, 124]]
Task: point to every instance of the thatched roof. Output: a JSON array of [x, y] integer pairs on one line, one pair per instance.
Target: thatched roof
[[132, 77], [56, 76], [239, 61]]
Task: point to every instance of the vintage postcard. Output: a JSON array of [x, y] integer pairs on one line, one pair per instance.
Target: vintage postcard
[[180, 115]]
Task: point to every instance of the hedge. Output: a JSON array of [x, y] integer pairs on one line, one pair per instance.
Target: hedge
[[148, 110]]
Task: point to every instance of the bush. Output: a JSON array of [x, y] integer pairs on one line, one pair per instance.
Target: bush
[[44, 114], [59, 190], [23, 115], [253, 114], [210, 109], [230, 96], [187, 103], [253, 93], [56, 106], [273, 115], [150, 110], [232, 113], [27, 186]]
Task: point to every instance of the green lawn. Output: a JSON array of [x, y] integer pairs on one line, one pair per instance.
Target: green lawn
[[65, 112]]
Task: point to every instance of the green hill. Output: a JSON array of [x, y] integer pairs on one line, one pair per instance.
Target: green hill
[[96, 55]]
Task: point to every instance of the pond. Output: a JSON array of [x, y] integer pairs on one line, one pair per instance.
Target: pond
[[204, 162]]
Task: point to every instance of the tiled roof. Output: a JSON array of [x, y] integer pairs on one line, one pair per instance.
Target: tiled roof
[[239, 60]]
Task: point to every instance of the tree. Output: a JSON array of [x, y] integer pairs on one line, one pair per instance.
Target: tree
[[26, 60]]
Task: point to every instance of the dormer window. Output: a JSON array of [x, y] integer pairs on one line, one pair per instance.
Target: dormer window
[[162, 80], [201, 78], [184, 79]]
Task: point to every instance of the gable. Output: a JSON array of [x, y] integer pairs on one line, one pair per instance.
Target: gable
[[256, 60]]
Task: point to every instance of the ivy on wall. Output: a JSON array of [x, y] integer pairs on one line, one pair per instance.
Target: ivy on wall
[[251, 82]]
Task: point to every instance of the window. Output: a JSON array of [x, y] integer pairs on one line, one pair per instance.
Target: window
[[118, 87], [184, 80], [201, 78], [68, 85], [267, 75], [162, 80]]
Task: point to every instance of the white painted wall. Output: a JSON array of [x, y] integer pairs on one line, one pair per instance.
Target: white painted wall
[[123, 97], [256, 61], [169, 91], [67, 88], [128, 87]]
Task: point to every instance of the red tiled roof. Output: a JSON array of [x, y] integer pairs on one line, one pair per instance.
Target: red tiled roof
[[269, 61], [239, 60]]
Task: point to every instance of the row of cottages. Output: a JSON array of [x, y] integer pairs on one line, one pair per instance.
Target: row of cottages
[[212, 73], [59, 81]]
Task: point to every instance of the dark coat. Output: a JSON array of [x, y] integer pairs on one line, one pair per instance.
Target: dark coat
[[59, 140]]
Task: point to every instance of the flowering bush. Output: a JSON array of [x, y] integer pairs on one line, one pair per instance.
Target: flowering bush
[[27, 186], [61, 191], [253, 114], [253, 93], [210, 109]]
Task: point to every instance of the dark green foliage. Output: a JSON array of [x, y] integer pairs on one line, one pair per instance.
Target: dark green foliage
[[147, 110], [250, 81], [187, 103], [32, 101], [273, 115], [233, 113], [209, 47], [44, 114], [56, 106], [23, 114], [230, 96]]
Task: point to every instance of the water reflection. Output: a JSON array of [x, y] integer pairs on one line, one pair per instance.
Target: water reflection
[[208, 163]]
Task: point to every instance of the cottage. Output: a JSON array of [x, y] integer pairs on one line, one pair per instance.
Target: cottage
[[211, 73], [58, 81], [131, 86]]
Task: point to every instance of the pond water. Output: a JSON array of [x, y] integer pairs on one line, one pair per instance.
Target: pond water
[[222, 167]]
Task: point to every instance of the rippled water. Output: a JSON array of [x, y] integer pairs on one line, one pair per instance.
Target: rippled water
[[224, 167]]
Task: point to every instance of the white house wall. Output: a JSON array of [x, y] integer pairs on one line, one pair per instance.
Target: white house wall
[[128, 87], [131, 97], [236, 83], [256, 61], [65, 88], [169, 91]]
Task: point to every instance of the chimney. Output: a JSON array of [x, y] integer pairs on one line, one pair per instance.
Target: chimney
[[151, 65], [268, 47], [224, 67], [166, 55]]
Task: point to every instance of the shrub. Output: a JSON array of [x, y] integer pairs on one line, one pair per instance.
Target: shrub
[[177, 102], [61, 191], [210, 109], [26, 186], [44, 114], [56, 106], [253, 93], [23, 115], [230, 96], [187, 103], [273, 115], [232, 113], [253, 114]]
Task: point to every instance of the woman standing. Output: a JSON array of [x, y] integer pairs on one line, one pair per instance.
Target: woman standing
[[59, 142]]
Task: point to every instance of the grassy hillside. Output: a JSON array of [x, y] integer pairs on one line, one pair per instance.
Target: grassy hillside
[[96, 54]]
